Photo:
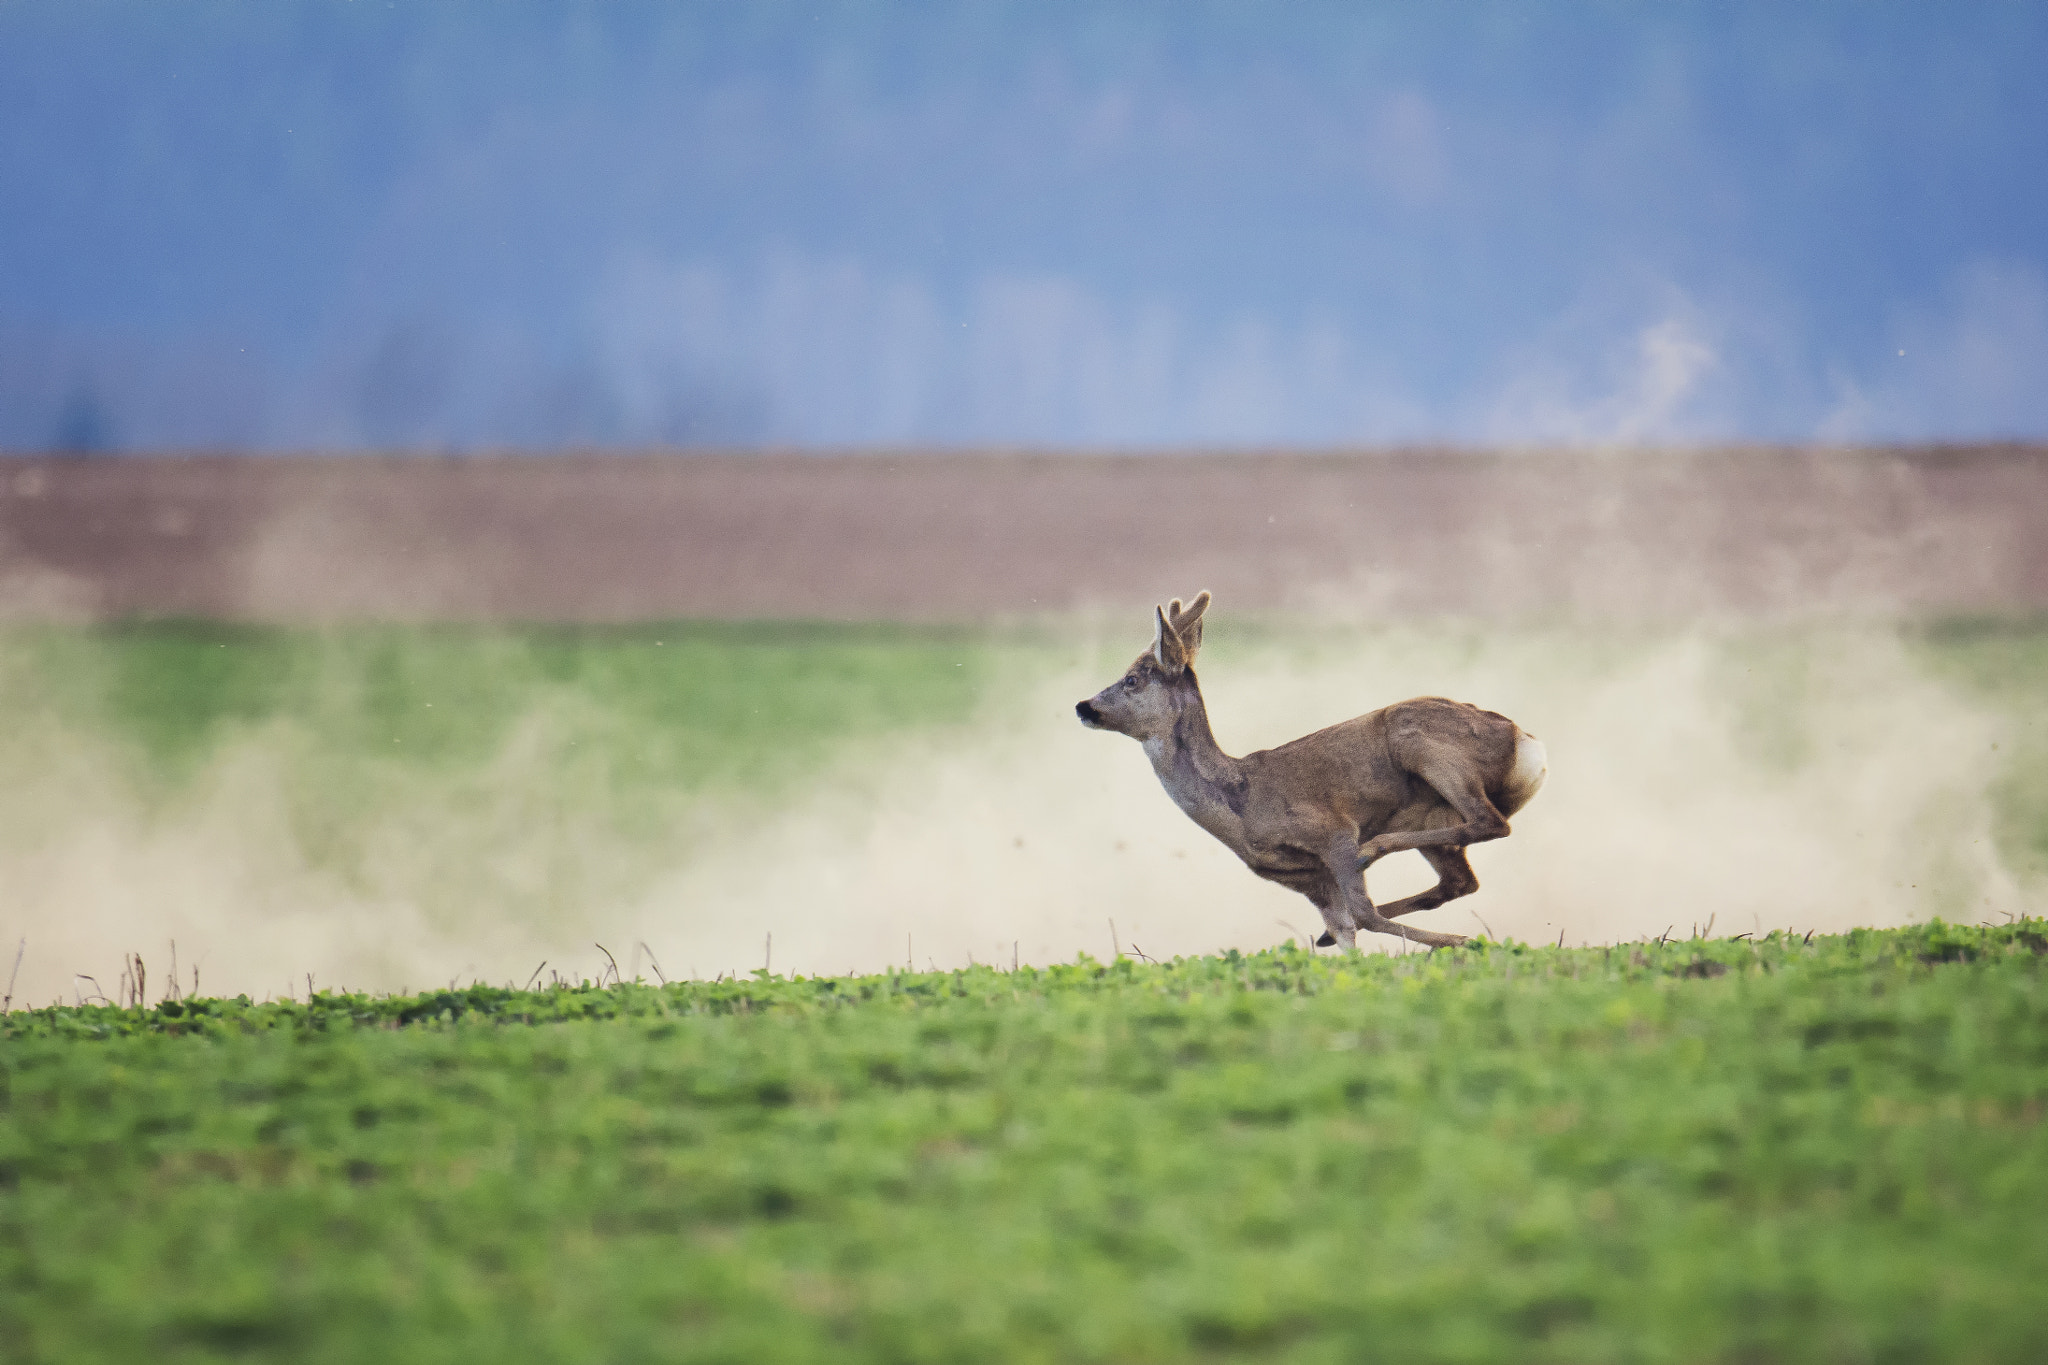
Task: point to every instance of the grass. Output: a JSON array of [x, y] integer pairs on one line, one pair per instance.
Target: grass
[[1723, 1151], [1783, 1150]]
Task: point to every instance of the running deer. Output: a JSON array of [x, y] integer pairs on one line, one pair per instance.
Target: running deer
[[1428, 774]]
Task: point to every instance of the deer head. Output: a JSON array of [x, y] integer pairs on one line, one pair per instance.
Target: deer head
[[1159, 684]]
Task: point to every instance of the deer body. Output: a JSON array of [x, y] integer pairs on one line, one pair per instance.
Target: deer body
[[1429, 774]]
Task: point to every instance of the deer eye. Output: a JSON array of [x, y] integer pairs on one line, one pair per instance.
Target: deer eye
[[1131, 683]]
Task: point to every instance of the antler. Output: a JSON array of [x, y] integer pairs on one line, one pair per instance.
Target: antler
[[1186, 622]]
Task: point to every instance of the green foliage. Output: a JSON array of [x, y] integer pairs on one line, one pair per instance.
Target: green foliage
[[1695, 1151], [515, 775], [690, 704], [2005, 664]]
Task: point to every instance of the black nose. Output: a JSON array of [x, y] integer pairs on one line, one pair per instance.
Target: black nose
[[1087, 712]]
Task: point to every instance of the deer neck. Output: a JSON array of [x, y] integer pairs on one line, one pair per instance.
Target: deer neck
[[1202, 779]]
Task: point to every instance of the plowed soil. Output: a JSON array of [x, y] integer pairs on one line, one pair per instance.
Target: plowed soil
[[973, 536]]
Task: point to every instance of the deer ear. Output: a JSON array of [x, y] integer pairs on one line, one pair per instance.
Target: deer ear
[[1167, 647]]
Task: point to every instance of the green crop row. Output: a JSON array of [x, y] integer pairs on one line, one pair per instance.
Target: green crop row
[[1284, 969], [1785, 1149]]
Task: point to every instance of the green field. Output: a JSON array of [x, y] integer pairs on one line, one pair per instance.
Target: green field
[[490, 776], [560, 738], [1711, 1150], [675, 705], [2006, 666], [1700, 1151]]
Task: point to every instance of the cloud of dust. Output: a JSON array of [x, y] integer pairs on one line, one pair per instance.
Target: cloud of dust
[[1682, 792], [1820, 783]]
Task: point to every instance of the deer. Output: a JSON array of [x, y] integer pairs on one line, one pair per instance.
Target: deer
[[1429, 773]]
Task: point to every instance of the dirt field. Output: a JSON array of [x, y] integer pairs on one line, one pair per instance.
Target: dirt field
[[979, 536]]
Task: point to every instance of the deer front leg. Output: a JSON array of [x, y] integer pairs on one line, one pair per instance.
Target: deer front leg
[[1335, 926], [1350, 909]]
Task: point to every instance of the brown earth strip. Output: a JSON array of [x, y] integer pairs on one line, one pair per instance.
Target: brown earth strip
[[589, 538]]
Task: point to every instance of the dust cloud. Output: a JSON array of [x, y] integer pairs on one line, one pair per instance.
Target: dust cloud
[[1812, 781], [1841, 787]]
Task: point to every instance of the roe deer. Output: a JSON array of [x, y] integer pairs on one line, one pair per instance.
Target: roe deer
[[1428, 774]]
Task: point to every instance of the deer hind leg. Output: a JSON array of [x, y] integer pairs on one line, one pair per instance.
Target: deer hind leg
[[1454, 878], [1356, 909], [1463, 792]]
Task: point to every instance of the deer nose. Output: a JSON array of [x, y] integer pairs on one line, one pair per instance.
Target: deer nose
[[1087, 712]]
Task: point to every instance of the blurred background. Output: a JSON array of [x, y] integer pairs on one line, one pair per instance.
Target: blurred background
[[322, 225], [477, 481]]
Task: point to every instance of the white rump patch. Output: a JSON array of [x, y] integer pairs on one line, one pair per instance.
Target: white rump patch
[[1532, 765]]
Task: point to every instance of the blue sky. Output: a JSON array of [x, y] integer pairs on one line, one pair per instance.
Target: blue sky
[[463, 225]]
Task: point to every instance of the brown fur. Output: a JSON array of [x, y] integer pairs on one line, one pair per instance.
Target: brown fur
[[1428, 774]]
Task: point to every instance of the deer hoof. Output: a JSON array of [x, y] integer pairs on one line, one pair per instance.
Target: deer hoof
[[1326, 941]]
